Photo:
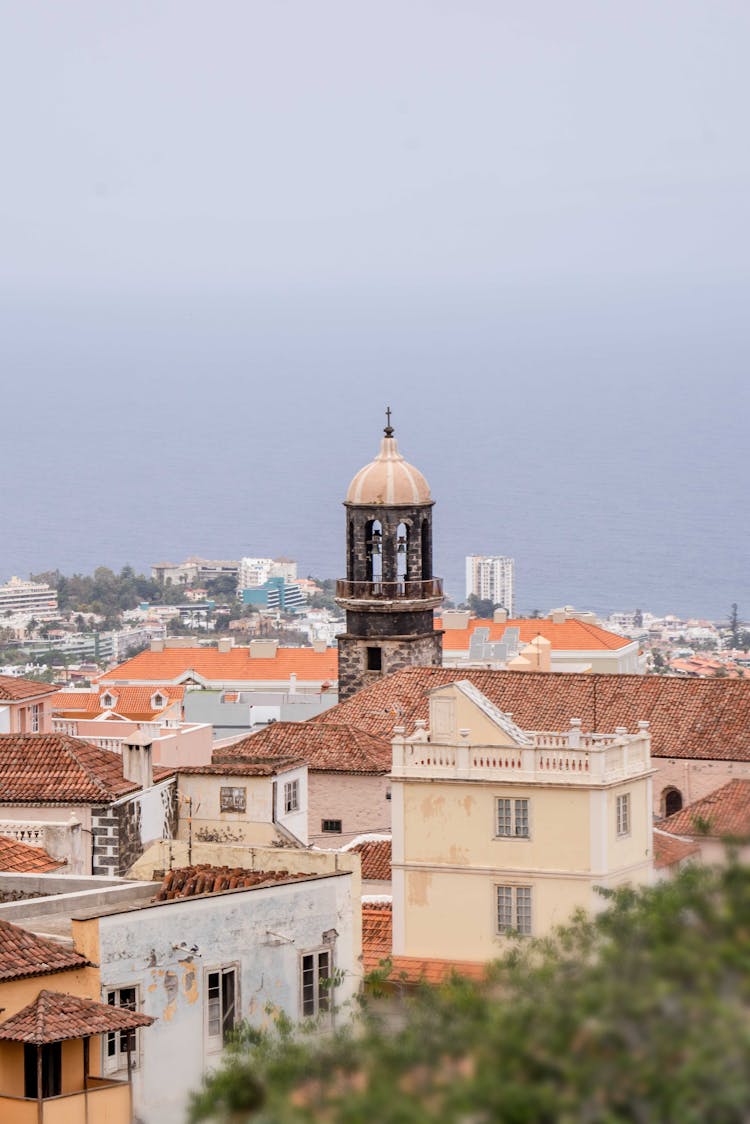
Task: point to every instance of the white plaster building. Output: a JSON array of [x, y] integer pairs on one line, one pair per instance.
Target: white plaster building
[[202, 962]]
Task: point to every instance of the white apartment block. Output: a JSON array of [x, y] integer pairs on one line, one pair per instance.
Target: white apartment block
[[254, 572], [28, 599], [490, 577]]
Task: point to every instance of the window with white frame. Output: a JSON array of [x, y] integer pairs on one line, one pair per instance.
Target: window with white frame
[[291, 796], [514, 909], [116, 1043], [232, 799], [512, 818], [35, 712], [315, 982], [221, 1005], [623, 814]]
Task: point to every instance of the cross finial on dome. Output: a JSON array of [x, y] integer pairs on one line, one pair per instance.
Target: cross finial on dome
[[388, 431]]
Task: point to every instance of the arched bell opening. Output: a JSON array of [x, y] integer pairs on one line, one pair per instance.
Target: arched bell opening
[[402, 555], [426, 536], [374, 550]]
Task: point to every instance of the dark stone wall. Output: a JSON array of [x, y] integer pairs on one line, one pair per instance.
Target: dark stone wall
[[116, 832], [357, 558], [405, 651], [376, 624]]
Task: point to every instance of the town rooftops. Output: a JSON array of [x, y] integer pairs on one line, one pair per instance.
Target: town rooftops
[[58, 769], [692, 718], [565, 636], [375, 853], [25, 954], [54, 1017], [723, 813], [243, 767], [671, 851], [193, 881], [327, 748], [212, 667], [22, 858], [15, 689], [133, 703]]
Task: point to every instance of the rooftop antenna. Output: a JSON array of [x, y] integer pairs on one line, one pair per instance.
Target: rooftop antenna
[[388, 431]]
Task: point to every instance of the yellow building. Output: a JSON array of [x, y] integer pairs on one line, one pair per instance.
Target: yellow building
[[49, 1069], [499, 829]]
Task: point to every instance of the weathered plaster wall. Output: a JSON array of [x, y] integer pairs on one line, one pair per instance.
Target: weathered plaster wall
[[170, 949], [359, 801]]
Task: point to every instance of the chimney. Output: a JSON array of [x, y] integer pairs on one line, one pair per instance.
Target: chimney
[[157, 645], [293, 683], [456, 618], [225, 644], [138, 759], [558, 616], [263, 649], [500, 616], [319, 645]]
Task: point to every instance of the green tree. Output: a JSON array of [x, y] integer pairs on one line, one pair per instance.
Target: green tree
[[734, 626], [639, 1014], [481, 606]]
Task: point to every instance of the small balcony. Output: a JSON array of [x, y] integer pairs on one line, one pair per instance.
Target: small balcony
[[106, 1102], [401, 590]]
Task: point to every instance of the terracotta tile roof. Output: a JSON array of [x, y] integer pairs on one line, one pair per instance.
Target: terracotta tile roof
[[698, 718], [25, 954], [191, 881], [58, 769], [377, 945], [243, 768], [22, 858], [570, 635], [723, 812], [327, 748], [129, 701], [376, 858], [234, 666], [15, 689], [432, 970], [377, 934], [55, 1017], [668, 850]]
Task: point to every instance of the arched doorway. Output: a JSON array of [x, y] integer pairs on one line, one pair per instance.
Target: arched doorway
[[671, 800]]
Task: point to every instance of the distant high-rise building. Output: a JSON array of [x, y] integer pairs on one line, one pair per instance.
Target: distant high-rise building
[[490, 577]]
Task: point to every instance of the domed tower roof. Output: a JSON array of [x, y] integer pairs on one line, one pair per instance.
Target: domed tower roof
[[389, 479]]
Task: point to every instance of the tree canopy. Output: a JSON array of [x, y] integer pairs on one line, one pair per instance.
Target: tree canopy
[[639, 1014]]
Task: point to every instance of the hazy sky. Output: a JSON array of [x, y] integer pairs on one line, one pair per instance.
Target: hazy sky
[[231, 232]]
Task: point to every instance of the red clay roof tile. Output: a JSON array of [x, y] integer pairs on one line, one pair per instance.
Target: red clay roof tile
[[725, 812], [25, 954], [234, 666], [571, 635], [192, 881], [15, 689], [58, 769], [376, 858], [698, 718], [55, 1017], [23, 858], [330, 748]]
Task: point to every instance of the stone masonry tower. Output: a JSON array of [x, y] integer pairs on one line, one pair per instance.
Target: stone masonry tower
[[389, 593]]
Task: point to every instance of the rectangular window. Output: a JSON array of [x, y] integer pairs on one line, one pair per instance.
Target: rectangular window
[[35, 719], [514, 909], [374, 659], [315, 983], [233, 799], [291, 796], [623, 814], [332, 826], [513, 818], [221, 1006], [116, 1044]]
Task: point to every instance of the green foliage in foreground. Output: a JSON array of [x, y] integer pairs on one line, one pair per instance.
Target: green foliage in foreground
[[639, 1015]]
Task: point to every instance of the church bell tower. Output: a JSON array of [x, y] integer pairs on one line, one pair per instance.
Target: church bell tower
[[389, 593]]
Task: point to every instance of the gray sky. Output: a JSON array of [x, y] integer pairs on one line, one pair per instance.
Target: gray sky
[[230, 233]]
